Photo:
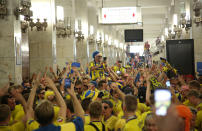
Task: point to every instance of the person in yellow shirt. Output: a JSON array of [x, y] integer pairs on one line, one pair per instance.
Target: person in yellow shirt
[[129, 107], [5, 116], [118, 68], [195, 99], [97, 68], [193, 120], [44, 112], [17, 111], [95, 110], [129, 122], [79, 88], [85, 104], [108, 118], [150, 123], [117, 103]]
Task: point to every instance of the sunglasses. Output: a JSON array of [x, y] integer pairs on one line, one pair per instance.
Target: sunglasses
[[10, 96], [106, 107], [77, 88]]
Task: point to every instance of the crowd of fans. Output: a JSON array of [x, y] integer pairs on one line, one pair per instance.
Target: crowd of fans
[[102, 98]]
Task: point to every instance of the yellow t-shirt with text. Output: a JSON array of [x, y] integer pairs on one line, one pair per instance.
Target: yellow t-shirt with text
[[98, 73]]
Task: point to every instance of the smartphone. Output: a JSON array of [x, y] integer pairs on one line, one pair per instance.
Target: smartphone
[[162, 101], [167, 83], [104, 58], [67, 83]]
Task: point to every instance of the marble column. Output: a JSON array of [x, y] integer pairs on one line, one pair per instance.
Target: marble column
[[10, 46], [197, 36], [65, 46], [42, 44]]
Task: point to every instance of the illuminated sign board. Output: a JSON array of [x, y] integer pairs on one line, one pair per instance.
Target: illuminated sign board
[[122, 15]]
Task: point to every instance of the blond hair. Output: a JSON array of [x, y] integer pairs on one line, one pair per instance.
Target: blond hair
[[44, 112]]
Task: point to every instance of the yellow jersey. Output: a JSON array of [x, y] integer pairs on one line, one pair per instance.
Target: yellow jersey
[[98, 73], [187, 103], [121, 69], [110, 123], [17, 114], [199, 117], [132, 124], [95, 126], [68, 127], [76, 125], [117, 106], [19, 126], [87, 119]]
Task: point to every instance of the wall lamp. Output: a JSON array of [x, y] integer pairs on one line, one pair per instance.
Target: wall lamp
[[91, 39], [3, 9], [63, 25], [197, 6], [40, 26], [63, 28], [99, 41], [78, 33], [24, 10]]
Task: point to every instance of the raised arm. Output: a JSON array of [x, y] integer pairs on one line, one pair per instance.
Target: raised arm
[[30, 102], [18, 96], [111, 75], [59, 99], [53, 73], [4, 90], [116, 88], [77, 106], [148, 91], [45, 73]]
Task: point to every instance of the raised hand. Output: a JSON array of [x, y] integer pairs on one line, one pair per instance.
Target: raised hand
[[71, 89], [49, 82], [51, 70]]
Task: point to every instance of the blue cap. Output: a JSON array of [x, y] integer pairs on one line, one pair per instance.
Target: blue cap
[[95, 53]]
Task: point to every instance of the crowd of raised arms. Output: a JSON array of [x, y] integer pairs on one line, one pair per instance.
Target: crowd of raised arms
[[101, 98]]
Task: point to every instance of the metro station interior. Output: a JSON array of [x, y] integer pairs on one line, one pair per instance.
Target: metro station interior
[[36, 35]]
